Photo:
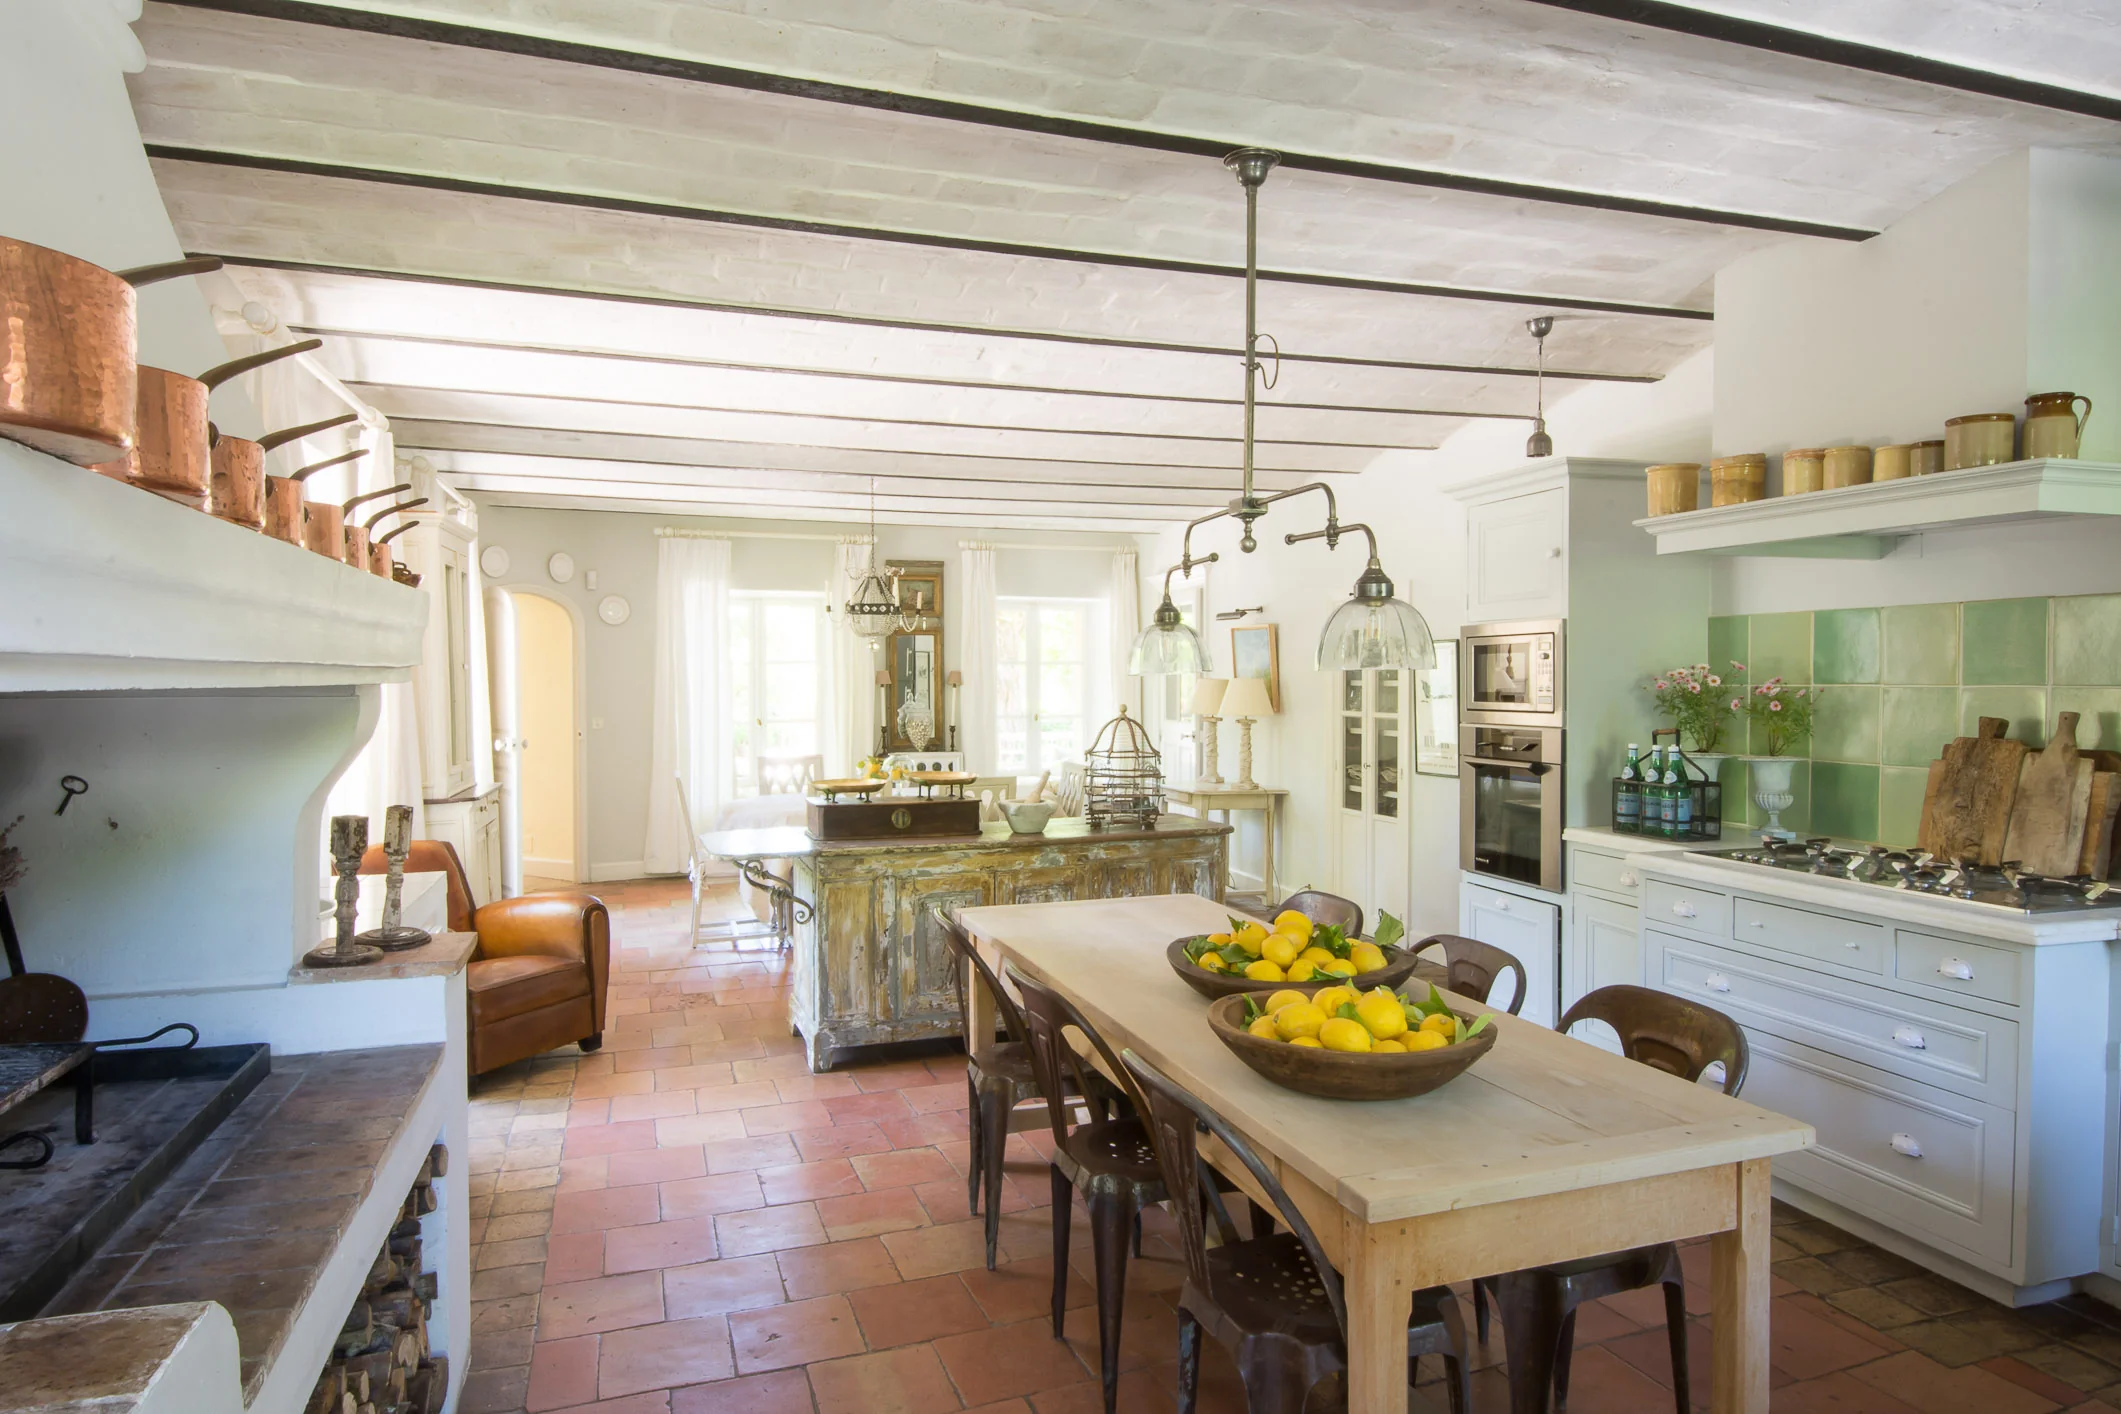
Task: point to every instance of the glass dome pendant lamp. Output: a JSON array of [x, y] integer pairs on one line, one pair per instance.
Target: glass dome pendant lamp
[[1166, 644], [873, 610]]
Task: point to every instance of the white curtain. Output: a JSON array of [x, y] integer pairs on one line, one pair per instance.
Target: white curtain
[[692, 733], [850, 667], [1125, 608], [978, 656]]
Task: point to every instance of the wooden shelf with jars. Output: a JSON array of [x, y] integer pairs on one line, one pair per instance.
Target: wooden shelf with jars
[[1864, 522]]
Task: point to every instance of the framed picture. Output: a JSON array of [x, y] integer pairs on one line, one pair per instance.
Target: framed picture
[[1436, 713], [1255, 652]]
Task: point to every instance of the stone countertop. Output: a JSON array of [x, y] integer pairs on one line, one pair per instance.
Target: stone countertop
[[444, 955], [1605, 837], [793, 841], [252, 1216], [111, 1361]]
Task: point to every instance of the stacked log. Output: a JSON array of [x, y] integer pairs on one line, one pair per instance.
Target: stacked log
[[381, 1362]]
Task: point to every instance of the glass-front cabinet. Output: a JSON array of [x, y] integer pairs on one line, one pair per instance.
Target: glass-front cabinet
[[1371, 752]]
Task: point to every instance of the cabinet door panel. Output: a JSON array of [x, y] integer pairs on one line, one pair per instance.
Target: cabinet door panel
[[1529, 929], [922, 952], [1196, 876], [1053, 885], [1517, 557], [1122, 878]]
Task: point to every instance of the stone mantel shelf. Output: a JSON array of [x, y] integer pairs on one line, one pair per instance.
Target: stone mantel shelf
[[1863, 522], [445, 955], [109, 588]]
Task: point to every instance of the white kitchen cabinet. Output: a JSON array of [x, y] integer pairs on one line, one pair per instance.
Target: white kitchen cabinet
[[1517, 557], [1528, 928], [472, 823], [1371, 758]]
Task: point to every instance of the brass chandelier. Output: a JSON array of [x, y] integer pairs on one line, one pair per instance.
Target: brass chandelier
[[1374, 628], [873, 611]]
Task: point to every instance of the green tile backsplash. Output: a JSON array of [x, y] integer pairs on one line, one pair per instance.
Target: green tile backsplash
[[1900, 682]]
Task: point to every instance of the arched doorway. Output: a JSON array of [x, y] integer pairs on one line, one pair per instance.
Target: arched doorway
[[548, 676]]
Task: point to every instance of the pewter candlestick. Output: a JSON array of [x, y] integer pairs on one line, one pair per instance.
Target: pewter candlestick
[[349, 841], [394, 936]]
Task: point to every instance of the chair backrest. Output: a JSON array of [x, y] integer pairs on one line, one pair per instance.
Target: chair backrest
[[1047, 1015], [1473, 967], [1671, 1034], [432, 857], [1068, 796], [1003, 787], [1323, 908], [789, 775], [692, 832], [1175, 1118], [964, 953]]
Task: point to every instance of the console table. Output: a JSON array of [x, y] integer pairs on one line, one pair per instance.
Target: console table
[[1203, 798]]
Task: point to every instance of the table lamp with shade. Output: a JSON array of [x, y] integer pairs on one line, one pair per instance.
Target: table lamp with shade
[[1246, 700], [1207, 701]]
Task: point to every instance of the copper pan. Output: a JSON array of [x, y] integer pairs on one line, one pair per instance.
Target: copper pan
[[169, 453], [368, 528], [236, 491], [283, 494], [379, 561], [356, 552], [69, 337]]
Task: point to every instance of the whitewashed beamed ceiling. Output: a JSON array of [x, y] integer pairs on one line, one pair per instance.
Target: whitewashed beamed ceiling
[[746, 257]]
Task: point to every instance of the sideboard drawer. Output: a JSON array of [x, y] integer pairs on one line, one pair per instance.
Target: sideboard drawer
[[1933, 1042], [1687, 906], [1970, 969], [1822, 937], [1608, 873], [1931, 1164]]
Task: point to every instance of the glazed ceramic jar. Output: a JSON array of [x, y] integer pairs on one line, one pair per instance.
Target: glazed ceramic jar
[[1803, 469], [1675, 487], [1736, 480], [2053, 426], [1847, 466], [1979, 439], [1926, 458], [1892, 463]]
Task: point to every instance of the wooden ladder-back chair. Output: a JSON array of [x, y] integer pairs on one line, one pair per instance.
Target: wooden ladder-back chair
[[1273, 1302], [1679, 1037]]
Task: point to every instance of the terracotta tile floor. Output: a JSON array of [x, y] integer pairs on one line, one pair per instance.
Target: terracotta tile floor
[[688, 1222]]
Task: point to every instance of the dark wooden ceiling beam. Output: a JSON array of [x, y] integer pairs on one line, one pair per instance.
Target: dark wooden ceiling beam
[[957, 111]]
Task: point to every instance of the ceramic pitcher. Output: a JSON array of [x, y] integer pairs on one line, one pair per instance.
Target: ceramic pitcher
[[2053, 426]]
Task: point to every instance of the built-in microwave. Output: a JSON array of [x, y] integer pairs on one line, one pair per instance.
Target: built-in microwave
[[1511, 674]]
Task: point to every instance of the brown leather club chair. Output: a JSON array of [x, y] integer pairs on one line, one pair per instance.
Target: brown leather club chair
[[538, 977]]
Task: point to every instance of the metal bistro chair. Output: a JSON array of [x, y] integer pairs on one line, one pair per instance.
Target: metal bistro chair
[[1273, 1302], [999, 1076], [1471, 967], [1108, 1161], [1681, 1038], [1323, 909]]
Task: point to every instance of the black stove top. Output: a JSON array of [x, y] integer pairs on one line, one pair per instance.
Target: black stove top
[[1914, 871]]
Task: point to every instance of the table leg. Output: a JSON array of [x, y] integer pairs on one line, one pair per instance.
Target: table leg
[[1738, 1280], [982, 1014], [1379, 1301], [1266, 853]]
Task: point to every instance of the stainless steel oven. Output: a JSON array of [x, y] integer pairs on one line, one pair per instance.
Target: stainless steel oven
[[1511, 673], [1510, 804]]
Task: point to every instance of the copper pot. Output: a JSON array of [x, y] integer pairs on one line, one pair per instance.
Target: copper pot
[[169, 453], [379, 562], [69, 337], [356, 551], [379, 546], [283, 494], [236, 493], [324, 529]]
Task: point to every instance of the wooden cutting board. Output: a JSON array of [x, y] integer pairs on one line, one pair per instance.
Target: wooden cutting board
[[1967, 806], [2097, 860], [2048, 814]]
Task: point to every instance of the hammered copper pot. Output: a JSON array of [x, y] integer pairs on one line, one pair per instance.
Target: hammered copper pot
[[324, 529], [169, 453], [69, 335], [356, 549], [236, 492], [283, 494], [380, 562], [379, 545]]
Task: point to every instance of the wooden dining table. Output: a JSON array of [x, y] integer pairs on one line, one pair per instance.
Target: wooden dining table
[[1548, 1149]]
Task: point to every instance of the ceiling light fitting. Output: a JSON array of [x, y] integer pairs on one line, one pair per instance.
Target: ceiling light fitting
[[1373, 629], [1539, 444], [1229, 614], [874, 610]]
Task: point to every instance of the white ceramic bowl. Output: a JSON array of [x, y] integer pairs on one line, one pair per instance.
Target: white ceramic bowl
[[1028, 817]]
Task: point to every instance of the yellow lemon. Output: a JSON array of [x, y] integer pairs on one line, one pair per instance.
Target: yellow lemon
[[1212, 962], [1251, 938], [1341, 1034], [1277, 1000], [1331, 999], [1367, 957], [1218, 940], [1264, 1029], [1301, 1019], [1263, 971], [1316, 956], [1445, 1025], [1279, 949], [1290, 921], [1311, 1041], [1302, 970], [1424, 1041], [1382, 1046], [1383, 1017], [1338, 967]]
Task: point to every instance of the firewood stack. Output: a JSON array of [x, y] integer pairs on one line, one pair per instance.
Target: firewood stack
[[381, 1363]]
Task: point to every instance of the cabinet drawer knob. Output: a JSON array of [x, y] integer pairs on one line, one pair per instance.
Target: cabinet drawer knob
[[1627, 879], [1756, 923], [1909, 1037], [1716, 982], [1906, 1144], [1503, 904], [1684, 910], [1952, 967], [1554, 552]]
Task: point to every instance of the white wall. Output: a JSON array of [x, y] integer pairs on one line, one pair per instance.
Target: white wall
[[620, 662]]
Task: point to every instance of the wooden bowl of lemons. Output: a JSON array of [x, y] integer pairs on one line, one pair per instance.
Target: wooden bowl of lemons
[[1291, 952], [1339, 1044]]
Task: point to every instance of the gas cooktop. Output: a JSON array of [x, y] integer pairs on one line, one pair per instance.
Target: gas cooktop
[[1914, 871]]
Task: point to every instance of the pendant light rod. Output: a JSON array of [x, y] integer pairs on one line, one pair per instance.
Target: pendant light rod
[[1251, 164]]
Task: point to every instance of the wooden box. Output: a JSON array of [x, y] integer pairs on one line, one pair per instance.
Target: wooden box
[[892, 818]]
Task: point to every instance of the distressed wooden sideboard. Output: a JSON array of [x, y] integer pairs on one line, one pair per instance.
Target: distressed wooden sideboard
[[871, 962]]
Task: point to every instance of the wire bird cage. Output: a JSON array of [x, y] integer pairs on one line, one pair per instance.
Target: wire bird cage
[[1124, 777]]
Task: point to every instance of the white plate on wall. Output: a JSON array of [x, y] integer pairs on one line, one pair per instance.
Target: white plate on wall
[[494, 560], [614, 610], [560, 567]]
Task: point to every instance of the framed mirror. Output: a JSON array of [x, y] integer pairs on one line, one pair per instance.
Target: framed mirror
[[1436, 713], [914, 658]]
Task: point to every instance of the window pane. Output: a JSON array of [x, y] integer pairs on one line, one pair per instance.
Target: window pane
[[1010, 745], [1059, 740], [791, 692], [1060, 635], [1010, 633], [1060, 688], [790, 633], [1011, 698]]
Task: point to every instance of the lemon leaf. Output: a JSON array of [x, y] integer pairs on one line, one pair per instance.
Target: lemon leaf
[[1389, 930], [1347, 1010], [1480, 1024]]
